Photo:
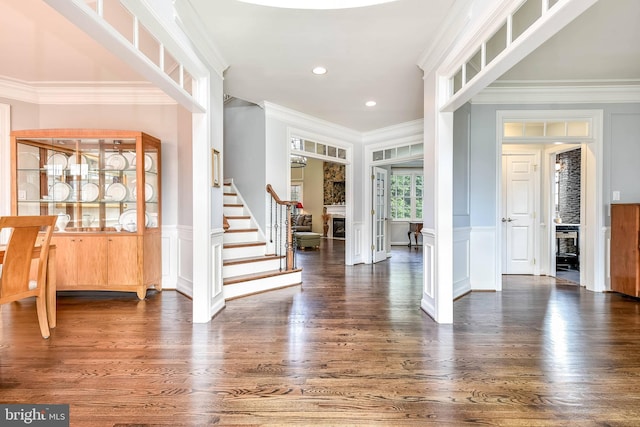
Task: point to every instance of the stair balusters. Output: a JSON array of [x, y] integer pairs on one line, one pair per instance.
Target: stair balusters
[[280, 231]]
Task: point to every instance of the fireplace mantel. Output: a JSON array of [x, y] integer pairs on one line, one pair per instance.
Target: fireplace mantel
[[336, 210]]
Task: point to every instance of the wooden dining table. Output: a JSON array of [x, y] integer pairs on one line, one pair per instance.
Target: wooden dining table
[[50, 282]]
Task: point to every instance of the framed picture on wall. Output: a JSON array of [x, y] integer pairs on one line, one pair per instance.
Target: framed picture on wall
[[215, 168]]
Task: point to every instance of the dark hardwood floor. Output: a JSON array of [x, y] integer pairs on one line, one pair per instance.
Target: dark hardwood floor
[[351, 347]]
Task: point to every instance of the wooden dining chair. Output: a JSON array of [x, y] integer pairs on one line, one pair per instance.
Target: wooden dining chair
[[26, 244]]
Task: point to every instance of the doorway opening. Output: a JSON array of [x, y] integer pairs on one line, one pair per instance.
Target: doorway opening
[[557, 131], [567, 208]]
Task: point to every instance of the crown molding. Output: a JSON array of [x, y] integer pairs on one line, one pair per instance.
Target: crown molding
[[446, 36], [408, 131], [192, 25], [83, 93], [603, 92], [305, 121]]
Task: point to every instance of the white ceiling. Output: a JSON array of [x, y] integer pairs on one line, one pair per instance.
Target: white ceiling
[[371, 53]]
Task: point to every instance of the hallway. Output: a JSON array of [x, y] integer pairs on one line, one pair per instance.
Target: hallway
[[351, 347]]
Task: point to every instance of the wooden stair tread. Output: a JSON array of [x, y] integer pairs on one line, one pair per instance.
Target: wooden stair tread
[[248, 260], [256, 276], [243, 244], [238, 216], [241, 230], [233, 205]]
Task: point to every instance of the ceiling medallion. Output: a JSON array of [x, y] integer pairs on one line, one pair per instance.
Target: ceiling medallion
[[316, 4]]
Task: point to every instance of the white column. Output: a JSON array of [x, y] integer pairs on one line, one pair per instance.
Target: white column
[[437, 298]]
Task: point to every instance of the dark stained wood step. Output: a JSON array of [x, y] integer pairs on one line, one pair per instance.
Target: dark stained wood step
[[241, 230], [242, 245], [257, 276], [249, 260], [238, 216], [233, 205]]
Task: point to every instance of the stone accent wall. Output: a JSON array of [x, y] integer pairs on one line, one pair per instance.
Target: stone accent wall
[[334, 183], [569, 193], [569, 186]]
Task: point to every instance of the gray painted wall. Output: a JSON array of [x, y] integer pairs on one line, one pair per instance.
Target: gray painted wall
[[244, 153], [461, 184], [621, 155]]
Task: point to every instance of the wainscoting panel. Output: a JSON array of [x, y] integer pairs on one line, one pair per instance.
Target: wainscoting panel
[[217, 297], [428, 259], [185, 260], [461, 261], [482, 266], [357, 255], [607, 254], [169, 257]]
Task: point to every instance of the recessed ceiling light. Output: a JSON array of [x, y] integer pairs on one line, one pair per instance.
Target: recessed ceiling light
[[370, 103], [319, 71], [317, 4]]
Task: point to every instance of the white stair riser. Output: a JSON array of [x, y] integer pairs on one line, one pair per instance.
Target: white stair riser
[[243, 252], [247, 236], [235, 224], [233, 210], [251, 267], [260, 285], [228, 198]]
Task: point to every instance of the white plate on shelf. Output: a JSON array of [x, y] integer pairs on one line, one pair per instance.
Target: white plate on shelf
[[148, 162], [148, 191], [130, 159], [129, 220], [60, 191], [58, 159], [116, 161], [117, 192], [84, 160], [27, 160], [90, 192]]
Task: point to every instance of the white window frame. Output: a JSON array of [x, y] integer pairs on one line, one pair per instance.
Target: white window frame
[[413, 173]]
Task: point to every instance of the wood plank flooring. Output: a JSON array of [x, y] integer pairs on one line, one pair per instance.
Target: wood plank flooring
[[351, 347]]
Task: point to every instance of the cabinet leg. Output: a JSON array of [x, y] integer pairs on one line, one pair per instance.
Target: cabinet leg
[[142, 293]]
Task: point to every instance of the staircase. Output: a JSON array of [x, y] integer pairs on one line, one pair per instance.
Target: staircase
[[247, 268]]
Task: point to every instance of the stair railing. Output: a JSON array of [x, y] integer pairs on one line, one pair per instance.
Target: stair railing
[[281, 234]]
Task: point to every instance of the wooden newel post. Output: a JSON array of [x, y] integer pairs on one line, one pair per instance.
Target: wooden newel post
[[289, 240]]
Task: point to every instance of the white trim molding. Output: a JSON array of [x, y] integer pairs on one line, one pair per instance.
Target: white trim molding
[[184, 260], [169, 257], [605, 92], [461, 261], [311, 124], [483, 265], [83, 93]]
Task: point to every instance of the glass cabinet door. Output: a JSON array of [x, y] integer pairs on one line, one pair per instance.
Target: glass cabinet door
[[151, 184], [91, 184]]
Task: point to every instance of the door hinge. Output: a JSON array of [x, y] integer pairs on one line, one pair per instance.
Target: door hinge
[[373, 212], [535, 168], [534, 261], [373, 177], [373, 247]]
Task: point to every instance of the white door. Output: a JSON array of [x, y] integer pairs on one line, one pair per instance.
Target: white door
[[518, 213], [379, 214]]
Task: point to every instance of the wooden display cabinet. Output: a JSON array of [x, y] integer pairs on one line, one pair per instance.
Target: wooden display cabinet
[[108, 237], [625, 249]]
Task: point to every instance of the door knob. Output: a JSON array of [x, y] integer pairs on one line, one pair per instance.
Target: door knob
[[506, 220]]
